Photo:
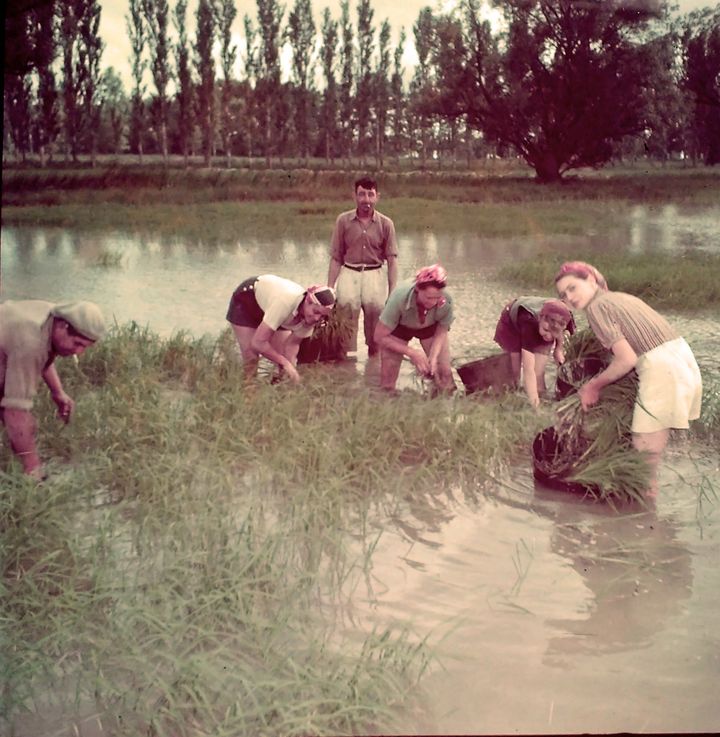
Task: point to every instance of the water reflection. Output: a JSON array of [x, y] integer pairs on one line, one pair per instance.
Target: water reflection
[[541, 607], [173, 283], [668, 228], [637, 572], [177, 283]]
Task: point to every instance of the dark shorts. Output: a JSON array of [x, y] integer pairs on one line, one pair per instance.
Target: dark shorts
[[244, 310], [405, 333], [510, 338], [506, 336]]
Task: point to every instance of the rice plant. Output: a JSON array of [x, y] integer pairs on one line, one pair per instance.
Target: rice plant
[[170, 577], [108, 259], [594, 447]]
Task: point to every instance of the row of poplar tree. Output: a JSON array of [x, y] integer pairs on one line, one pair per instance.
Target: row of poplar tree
[[560, 83]]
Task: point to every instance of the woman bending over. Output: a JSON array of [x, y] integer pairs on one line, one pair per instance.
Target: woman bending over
[[670, 387], [418, 308], [530, 328]]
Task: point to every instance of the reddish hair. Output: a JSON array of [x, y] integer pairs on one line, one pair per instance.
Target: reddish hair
[[581, 270]]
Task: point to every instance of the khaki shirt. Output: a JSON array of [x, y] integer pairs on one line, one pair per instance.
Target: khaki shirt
[[356, 244], [616, 315], [25, 350]]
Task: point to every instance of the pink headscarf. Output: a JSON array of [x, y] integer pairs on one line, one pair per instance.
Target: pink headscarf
[[581, 270], [434, 274], [555, 308]]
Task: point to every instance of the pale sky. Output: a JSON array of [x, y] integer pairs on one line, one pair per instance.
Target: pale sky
[[399, 13]]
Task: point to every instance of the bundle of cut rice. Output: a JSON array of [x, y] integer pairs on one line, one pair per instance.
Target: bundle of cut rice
[[594, 447]]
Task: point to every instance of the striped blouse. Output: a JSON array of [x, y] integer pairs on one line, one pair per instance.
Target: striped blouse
[[616, 315]]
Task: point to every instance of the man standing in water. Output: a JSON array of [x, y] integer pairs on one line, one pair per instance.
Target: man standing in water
[[32, 334], [362, 240]]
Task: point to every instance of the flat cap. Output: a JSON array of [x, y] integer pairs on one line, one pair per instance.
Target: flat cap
[[85, 317]]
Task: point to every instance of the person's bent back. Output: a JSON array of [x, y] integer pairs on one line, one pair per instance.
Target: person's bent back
[[32, 334]]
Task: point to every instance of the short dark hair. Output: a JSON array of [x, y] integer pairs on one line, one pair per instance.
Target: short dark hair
[[366, 183]]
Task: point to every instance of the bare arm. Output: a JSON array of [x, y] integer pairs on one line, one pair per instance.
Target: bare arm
[[21, 427], [392, 269], [624, 360], [261, 344], [440, 340], [65, 404], [333, 272], [292, 346], [529, 378], [385, 339]]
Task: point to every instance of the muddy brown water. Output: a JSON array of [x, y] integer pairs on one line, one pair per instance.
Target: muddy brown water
[[551, 614], [548, 614]]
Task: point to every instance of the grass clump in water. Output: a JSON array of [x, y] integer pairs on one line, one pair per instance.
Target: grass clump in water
[[170, 577]]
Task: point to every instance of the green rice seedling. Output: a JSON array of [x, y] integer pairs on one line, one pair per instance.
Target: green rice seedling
[[210, 536], [594, 446], [108, 259], [185, 561], [329, 338], [707, 427], [222, 603]]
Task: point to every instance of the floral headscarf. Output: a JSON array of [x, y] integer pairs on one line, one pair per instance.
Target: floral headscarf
[[555, 309], [434, 274]]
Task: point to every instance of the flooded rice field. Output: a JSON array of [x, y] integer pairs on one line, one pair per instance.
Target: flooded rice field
[[547, 613], [551, 614]]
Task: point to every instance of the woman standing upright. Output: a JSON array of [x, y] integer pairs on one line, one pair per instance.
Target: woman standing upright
[[670, 388]]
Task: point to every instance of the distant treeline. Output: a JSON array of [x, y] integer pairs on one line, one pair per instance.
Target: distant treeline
[[563, 84]]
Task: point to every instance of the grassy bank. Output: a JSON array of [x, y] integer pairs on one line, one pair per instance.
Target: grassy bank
[[171, 573], [275, 202], [686, 281]]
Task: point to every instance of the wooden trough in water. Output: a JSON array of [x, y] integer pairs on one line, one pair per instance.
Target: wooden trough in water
[[492, 374]]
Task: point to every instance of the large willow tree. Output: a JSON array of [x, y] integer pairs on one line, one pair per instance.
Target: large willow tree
[[563, 80]]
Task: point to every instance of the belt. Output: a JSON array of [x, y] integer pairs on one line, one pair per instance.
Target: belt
[[363, 267]]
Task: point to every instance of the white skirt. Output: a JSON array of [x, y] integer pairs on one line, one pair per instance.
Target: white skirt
[[670, 389]]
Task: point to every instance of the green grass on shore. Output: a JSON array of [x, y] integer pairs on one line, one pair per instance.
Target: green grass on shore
[[686, 281], [302, 200]]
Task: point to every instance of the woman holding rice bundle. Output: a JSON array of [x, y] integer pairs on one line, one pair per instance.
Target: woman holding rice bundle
[[670, 387], [528, 329]]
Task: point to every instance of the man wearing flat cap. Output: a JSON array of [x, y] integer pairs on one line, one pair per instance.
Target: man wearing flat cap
[[32, 334]]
